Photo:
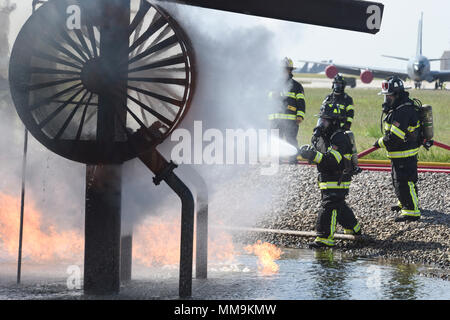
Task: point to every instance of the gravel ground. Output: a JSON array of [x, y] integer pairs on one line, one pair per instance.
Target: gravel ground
[[293, 201]]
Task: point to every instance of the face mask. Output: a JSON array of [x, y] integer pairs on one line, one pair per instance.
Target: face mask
[[338, 88], [321, 127], [388, 103]]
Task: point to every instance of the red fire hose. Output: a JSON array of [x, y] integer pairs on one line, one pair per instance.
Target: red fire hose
[[384, 165], [376, 165]]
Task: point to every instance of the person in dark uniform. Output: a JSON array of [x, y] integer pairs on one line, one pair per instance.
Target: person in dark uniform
[[343, 100], [331, 150], [291, 109], [401, 141]]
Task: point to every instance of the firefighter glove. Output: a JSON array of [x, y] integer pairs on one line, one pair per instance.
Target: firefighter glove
[[376, 145], [308, 152], [379, 143]]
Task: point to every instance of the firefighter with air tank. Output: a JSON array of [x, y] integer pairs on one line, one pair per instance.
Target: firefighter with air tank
[[406, 128], [342, 100], [333, 150]]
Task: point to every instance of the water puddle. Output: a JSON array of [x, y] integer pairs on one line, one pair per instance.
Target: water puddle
[[301, 274]]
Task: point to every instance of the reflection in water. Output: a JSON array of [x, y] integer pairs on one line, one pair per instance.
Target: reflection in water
[[402, 284], [303, 274], [330, 276]]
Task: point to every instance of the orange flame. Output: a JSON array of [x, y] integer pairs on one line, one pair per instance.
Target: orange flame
[[267, 253], [157, 242], [39, 244]]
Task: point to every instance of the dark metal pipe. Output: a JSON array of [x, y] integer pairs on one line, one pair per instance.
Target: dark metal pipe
[[164, 172], [201, 261], [187, 232]]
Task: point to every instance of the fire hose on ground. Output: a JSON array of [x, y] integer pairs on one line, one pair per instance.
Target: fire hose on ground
[[385, 165]]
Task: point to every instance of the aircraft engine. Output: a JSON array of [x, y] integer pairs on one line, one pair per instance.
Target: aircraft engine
[[331, 71], [366, 76]]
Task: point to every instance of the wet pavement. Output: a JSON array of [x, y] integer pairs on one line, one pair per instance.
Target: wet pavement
[[303, 275]]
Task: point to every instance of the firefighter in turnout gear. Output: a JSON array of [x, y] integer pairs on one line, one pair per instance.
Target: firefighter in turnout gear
[[401, 141], [331, 150], [343, 100], [291, 110]]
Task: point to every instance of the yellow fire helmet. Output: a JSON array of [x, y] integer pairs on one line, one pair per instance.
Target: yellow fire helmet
[[288, 63]]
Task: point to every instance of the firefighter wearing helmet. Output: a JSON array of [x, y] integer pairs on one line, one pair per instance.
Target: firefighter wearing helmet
[[401, 127], [291, 108], [331, 150], [343, 100]]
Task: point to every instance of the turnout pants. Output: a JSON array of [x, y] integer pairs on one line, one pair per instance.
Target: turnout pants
[[334, 210], [404, 179]]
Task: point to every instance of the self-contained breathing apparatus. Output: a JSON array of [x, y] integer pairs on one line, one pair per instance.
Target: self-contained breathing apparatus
[[331, 112], [394, 86]]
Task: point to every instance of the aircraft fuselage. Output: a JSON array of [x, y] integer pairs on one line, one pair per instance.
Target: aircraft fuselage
[[419, 69]]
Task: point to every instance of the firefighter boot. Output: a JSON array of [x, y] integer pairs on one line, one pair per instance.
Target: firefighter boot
[[356, 231], [405, 218], [318, 245]]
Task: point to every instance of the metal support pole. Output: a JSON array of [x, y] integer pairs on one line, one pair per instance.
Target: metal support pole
[[104, 182], [22, 197], [22, 206], [126, 256], [102, 229], [201, 261]]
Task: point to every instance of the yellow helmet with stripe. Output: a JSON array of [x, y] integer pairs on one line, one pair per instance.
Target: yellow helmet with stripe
[[288, 63]]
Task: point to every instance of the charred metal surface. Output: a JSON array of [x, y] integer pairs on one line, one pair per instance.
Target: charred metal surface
[[102, 229]]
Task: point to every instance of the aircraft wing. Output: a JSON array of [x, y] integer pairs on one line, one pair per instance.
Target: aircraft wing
[[356, 70], [443, 76]]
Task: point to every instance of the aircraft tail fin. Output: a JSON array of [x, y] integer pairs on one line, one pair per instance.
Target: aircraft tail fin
[[419, 36]]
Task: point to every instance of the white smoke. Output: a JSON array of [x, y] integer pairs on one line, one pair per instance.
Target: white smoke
[[238, 62]]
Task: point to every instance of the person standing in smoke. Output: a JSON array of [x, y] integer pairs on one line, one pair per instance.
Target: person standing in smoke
[[291, 108]]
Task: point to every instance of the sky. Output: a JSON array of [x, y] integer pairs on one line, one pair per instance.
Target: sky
[[398, 34]]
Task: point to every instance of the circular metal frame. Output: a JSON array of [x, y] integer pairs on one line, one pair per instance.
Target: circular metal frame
[[59, 76]]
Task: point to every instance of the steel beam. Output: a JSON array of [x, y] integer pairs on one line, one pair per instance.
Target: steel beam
[[355, 15], [104, 182]]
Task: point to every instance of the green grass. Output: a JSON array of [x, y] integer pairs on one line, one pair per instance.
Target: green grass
[[366, 125]]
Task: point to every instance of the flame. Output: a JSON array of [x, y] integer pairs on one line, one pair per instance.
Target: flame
[[40, 244], [267, 253], [157, 243]]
